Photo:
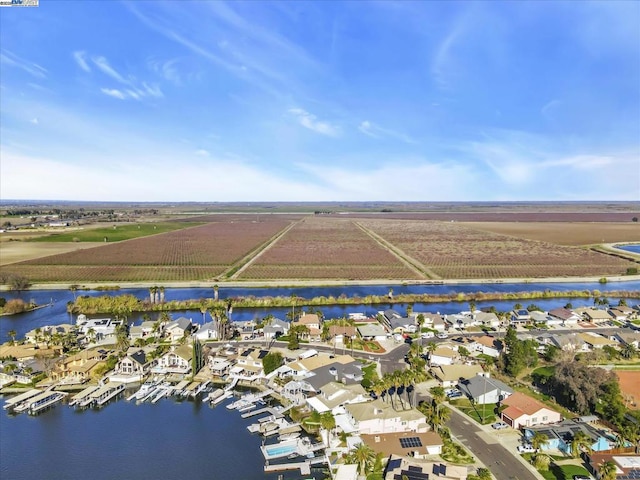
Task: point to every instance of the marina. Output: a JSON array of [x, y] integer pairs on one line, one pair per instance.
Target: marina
[[44, 401], [105, 393], [16, 401]]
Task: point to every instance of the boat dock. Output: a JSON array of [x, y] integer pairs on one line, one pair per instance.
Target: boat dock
[[78, 398], [179, 388], [104, 394], [221, 398], [304, 467], [44, 400], [15, 401]]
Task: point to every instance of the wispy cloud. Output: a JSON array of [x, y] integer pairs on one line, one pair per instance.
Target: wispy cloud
[[376, 131], [202, 153], [81, 59], [103, 64], [310, 121], [9, 58], [35, 121], [113, 92]]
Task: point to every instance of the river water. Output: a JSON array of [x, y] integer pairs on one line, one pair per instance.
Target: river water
[[188, 439], [630, 248]]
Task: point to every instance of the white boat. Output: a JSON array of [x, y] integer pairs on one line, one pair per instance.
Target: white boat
[[145, 389]]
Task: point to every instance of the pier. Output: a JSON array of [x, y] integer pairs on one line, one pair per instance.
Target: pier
[[105, 393], [304, 467], [78, 398], [44, 400], [18, 399]]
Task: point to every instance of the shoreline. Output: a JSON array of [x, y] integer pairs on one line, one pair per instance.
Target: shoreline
[[115, 286]]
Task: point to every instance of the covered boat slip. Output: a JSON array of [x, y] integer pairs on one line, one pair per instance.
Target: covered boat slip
[[105, 393], [12, 402], [44, 401], [80, 396]]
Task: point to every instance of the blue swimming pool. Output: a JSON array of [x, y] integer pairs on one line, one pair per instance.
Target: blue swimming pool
[[280, 450]]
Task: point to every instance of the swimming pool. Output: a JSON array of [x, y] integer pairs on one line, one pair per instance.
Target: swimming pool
[[279, 450]]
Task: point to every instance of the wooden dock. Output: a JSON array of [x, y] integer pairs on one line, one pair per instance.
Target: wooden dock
[[304, 467], [13, 402], [78, 398]]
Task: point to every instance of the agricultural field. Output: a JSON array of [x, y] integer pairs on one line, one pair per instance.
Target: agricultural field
[[630, 386], [563, 233], [197, 253], [112, 233], [327, 248], [451, 250]]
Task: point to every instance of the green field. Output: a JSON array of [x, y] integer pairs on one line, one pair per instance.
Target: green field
[[116, 232]]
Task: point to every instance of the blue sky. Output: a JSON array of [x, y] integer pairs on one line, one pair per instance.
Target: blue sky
[[320, 101]]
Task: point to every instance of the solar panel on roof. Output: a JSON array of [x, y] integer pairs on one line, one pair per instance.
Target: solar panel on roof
[[393, 464], [409, 442]]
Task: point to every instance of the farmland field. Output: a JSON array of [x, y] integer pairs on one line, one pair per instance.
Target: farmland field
[[195, 253], [113, 233], [563, 233], [327, 247], [451, 250]]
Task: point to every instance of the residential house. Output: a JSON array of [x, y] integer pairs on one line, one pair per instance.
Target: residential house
[[406, 444], [627, 338], [482, 390], [313, 323], [402, 324], [487, 319], [339, 334], [594, 315], [450, 375], [387, 316], [379, 416], [461, 321], [335, 395], [25, 352], [442, 356], [79, 367], [176, 360], [566, 316], [569, 342], [99, 328], [596, 341], [177, 329], [561, 434], [543, 318], [520, 317], [275, 328], [372, 331], [207, 331], [133, 367], [406, 468], [621, 313], [488, 345], [249, 365], [145, 330], [627, 464], [525, 411]]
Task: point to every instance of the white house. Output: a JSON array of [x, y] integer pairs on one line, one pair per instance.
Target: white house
[[380, 417], [133, 367], [177, 360], [524, 411], [442, 356], [177, 329], [487, 319], [208, 331], [568, 317], [545, 319], [275, 328]]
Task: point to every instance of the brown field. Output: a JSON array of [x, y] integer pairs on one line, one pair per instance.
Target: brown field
[[451, 250], [630, 387], [509, 216], [196, 253], [327, 247], [12, 252], [563, 233]]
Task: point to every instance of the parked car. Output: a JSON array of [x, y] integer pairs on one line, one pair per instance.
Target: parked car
[[454, 394], [499, 425], [582, 477], [427, 335], [526, 448], [442, 335]]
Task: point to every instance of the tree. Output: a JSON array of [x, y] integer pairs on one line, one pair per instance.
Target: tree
[[363, 455], [438, 394], [294, 335], [607, 470], [12, 335], [215, 293], [580, 441], [19, 283], [538, 439], [541, 461], [628, 351], [271, 361], [74, 289], [484, 474], [464, 352]]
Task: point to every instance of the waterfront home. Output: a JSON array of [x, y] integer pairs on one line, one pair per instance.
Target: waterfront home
[[246, 329], [561, 434], [520, 317], [487, 319], [248, 365], [98, 329], [312, 382], [387, 316], [402, 324], [207, 331], [25, 352], [43, 335], [483, 390], [379, 416], [488, 345], [543, 318], [335, 395], [133, 367], [621, 313], [412, 469], [525, 411], [145, 330], [434, 321], [340, 334], [275, 328], [219, 367], [406, 444], [372, 331], [177, 329], [595, 341], [461, 321], [79, 367], [450, 375], [593, 315], [442, 355], [566, 316], [313, 323], [176, 360]]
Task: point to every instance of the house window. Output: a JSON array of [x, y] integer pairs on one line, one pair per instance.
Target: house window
[[404, 423], [544, 419], [534, 420]]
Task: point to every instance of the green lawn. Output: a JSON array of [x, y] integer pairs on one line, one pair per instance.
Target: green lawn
[[564, 472], [476, 411], [115, 232]]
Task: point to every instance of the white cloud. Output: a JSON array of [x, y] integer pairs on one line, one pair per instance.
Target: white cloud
[[202, 153], [112, 92], [9, 58], [81, 59], [103, 64], [372, 130], [310, 121], [35, 121]]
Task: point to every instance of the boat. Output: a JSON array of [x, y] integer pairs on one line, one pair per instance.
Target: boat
[[145, 390]]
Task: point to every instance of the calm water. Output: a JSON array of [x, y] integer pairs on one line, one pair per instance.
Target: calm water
[[630, 248], [168, 440]]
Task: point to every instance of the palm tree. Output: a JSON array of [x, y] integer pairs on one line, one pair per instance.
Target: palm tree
[[152, 294], [628, 351], [161, 290], [607, 470], [579, 441], [438, 394], [538, 439], [363, 455], [203, 311], [328, 422], [12, 335], [215, 293], [74, 289], [484, 474]]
